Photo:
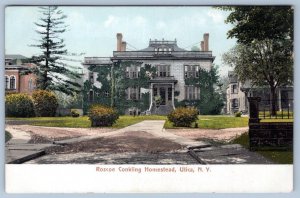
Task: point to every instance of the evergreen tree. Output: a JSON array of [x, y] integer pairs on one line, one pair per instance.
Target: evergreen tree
[[53, 73]]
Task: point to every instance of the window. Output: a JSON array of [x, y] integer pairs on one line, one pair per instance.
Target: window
[[91, 77], [234, 89], [163, 70], [192, 92], [12, 82], [133, 93], [170, 50], [6, 82], [191, 71], [133, 72], [91, 96], [235, 103], [30, 85], [106, 93]]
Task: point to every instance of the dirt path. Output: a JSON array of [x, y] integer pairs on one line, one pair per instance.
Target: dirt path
[[223, 135], [44, 134]]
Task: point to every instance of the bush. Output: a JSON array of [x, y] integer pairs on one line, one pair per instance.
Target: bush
[[74, 113], [45, 103], [238, 114], [102, 116], [183, 117], [19, 105]]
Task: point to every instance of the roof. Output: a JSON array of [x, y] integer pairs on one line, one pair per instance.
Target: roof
[[15, 56], [162, 44]]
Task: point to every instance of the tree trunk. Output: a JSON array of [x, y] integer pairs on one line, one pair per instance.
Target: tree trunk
[[273, 101]]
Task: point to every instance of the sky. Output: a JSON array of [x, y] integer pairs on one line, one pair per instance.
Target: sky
[[92, 30]]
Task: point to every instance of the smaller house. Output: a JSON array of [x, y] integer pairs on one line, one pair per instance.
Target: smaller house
[[15, 80], [238, 92]]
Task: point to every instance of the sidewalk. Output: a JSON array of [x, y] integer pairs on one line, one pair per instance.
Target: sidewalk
[[18, 150]]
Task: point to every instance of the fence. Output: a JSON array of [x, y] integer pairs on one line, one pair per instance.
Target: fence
[[283, 109], [269, 134]]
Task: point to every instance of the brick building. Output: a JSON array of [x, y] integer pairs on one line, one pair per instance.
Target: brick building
[[15, 81], [160, 72]]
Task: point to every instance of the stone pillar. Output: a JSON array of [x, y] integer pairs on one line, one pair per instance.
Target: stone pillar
[[254, 109]]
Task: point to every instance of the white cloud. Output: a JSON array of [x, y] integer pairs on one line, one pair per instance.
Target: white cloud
[[216, 16], [140, 21], [160, 25], [111, 21]]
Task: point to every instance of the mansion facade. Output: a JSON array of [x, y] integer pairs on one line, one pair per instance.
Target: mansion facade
[[153, 80]]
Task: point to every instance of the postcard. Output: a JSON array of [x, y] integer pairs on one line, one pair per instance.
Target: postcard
[[151, 99]]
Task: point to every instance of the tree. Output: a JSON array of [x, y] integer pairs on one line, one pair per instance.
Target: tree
[[260, 22], [266, 62], [53, 73], [264, 53]]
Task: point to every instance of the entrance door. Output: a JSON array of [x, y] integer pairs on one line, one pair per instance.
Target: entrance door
[[162, 93]]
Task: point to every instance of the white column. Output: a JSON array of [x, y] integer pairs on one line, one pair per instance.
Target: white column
[[173, 96], [151, 96]]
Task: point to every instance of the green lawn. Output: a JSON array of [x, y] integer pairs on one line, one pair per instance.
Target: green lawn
[[8, 136], [207, 122], [279, 157], [217, 122], [84, 122]]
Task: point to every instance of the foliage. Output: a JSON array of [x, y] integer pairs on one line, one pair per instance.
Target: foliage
[[211, 100], [260, 22], [69, 101], [264, 54], [19, 105], [83, 121], [102, 116], [74, 113], [53, 73], [45, 103], [267, 62], [8, 136], [217, 122], [280, 157], [183, 117], [238, 114]]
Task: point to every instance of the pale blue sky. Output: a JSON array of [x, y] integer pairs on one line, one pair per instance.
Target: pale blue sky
[[92, 30]]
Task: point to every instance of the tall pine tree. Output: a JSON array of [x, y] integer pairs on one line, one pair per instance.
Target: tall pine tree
[[53, 72]]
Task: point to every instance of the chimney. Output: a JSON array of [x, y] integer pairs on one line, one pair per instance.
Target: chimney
[[119, 41], [202, 45], [123, 48], [205, 38]]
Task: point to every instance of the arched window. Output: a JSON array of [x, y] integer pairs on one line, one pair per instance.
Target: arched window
[[30, 86], [91, 96], [6, 82], [12, 82]]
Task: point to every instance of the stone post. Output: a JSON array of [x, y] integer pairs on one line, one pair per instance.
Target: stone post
[[254, 109]]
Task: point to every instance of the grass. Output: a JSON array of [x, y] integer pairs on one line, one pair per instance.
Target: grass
[[217, 122], [8, 136], [84, 122], [279, 157]]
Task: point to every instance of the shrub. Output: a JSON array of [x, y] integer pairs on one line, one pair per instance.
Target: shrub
[[19, 105], [102, 116], [45, 103], [238, 114], [183, 117], [74, 113]]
